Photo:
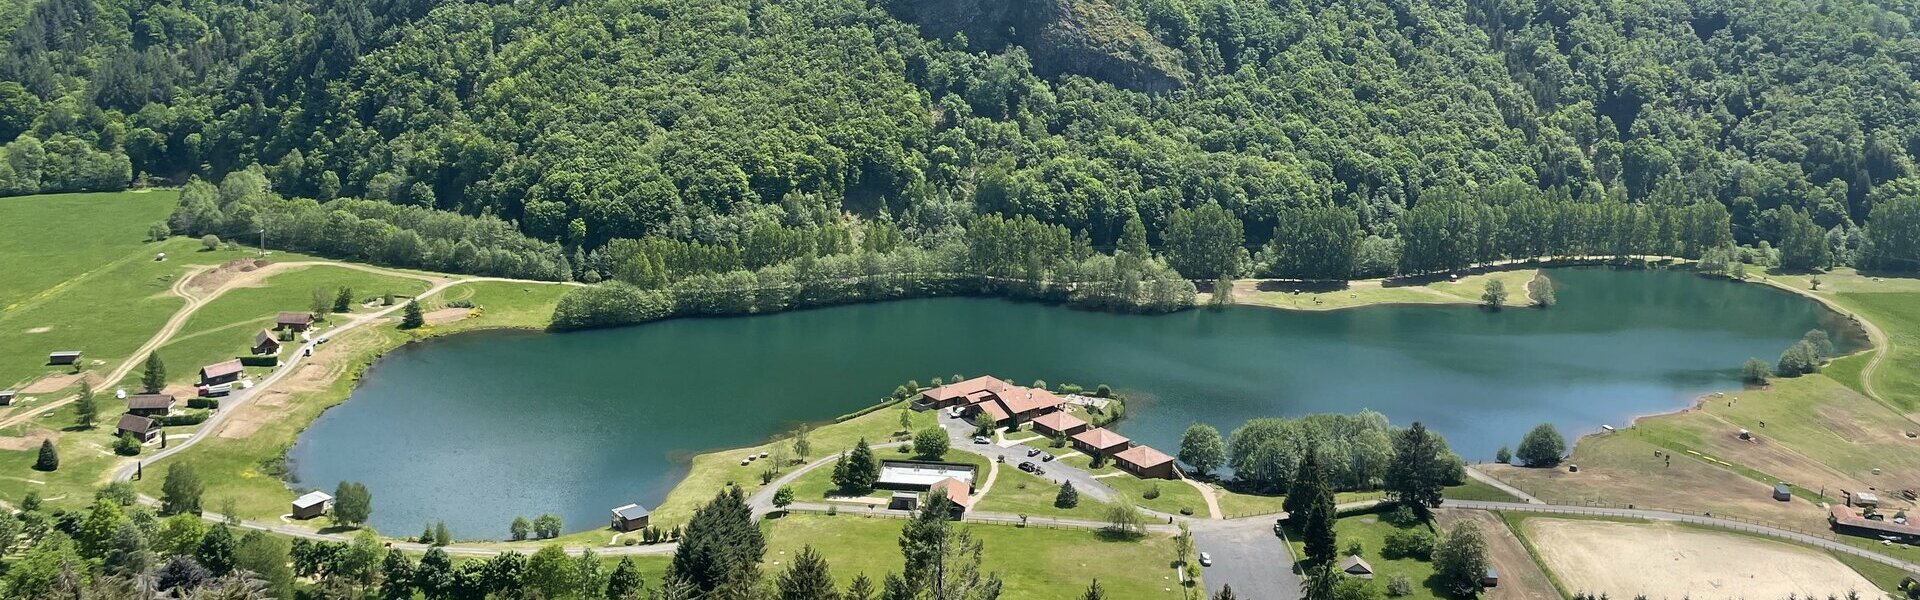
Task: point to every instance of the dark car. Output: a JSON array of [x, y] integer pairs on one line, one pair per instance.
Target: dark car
[[1047, 458], [1027, 466]]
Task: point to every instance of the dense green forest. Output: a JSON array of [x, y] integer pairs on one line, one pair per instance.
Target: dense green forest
[[1349, 127]]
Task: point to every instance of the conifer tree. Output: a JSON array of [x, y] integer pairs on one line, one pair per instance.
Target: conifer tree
[[154, 377], [807, 578], [411, 317], [49, 459]]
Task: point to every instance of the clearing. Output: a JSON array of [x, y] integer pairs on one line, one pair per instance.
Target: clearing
[[1663, 560]]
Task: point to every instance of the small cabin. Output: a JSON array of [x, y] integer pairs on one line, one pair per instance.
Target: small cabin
[[630, 517], [222, 372], [150, 405], [1355, 566], [1782, 493], [63, 357], [141, 428], [1864, 499], [312, 504], [293, 321], [907, 501], [6, 397], [264, 344]]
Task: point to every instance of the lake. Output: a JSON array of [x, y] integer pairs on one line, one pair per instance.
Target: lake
[[476, 429]]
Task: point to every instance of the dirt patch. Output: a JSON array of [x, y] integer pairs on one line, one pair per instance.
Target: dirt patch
[[1520, 577], [448, 315], [52, 383], [1620, 470], [212, 279], [1662, 560], [27, 442]]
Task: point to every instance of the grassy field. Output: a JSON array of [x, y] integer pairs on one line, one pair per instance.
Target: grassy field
[[43, 251], [1019, 492], [1034, 563], [1466, 290], [224, 327], [713, 471], [1370, 533]]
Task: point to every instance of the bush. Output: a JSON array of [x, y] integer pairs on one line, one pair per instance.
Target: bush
[[260, 361], [1353, 548], [1401, 516], [193, 418], [1503, 456], [206, 403], [209, 242], [1543, 447], [126, 445], [1410, 543], [1399, 585], [1152, 492]]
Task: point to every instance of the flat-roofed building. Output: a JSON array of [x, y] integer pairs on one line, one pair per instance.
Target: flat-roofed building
[[919, 475]]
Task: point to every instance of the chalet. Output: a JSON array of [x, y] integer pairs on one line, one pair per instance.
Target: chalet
[[311, 504], [1844, 519], [141, 428], [150, 405], [960, 393], [1100, 441], [264, 344], [958, 496], [63, 357], [1146, 463], [1058, 423], [1355, 566], [6, 397], [920, 475], [294, 321], [1014, 405], [630, 517], [219, 373]]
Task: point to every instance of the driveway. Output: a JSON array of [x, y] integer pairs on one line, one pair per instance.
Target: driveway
[[960, 433], [1248, 556]]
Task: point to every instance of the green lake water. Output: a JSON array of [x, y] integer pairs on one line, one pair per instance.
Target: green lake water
[[476, 429]]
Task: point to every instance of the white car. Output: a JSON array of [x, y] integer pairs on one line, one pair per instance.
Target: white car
[[981, 439], [1206, 560]]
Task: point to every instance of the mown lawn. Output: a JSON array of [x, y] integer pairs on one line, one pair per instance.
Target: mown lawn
[[53, 238], [1034, 563], [1019, 492], [1370, 532]]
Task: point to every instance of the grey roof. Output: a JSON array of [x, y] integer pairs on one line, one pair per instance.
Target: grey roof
[[222, 369], [1353, 562], [291, 317], [149, 401], [64, 353], [311, 499], [263, 337], [630, 511], [136, 424], [7, 393]]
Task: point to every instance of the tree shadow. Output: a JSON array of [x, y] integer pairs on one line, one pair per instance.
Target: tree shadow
[[1291, 286]]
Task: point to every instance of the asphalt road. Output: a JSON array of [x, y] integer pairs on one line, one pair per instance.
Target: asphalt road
[[1249, 557]]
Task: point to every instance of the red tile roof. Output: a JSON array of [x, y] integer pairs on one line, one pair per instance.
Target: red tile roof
[[994, 410], [955, 489], [1059, 421], [959, 389], [1020, 400], [1101, 438], [1143, 457], [220, 369]]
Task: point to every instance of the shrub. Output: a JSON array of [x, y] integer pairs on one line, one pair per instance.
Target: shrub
[[192, 418], [1152, 492], [206, 403], [126, 445], [259, 361], [1409, 543], [1186, 511], [1399, 585], [1543, 447], [1503, 456], [209, 242], [1401, 516], [1353, 548]]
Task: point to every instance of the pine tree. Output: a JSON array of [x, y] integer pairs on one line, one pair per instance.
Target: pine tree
[[1313, 508], [1418, 471], [396, 577], [441, 536], [1094, 592], [49, 459], [411, 317], [154, 378], [1068, 497], [860, 589], [85, 409], [840, 480], [1226, 593], [862, 470], [625, 583], [721, 544], [807, 578], [343, 302]]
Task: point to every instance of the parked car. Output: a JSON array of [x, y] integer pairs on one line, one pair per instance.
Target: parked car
[[1046, 458], [980, 439], [1027, 466], [1033, 451], [1206, 560]]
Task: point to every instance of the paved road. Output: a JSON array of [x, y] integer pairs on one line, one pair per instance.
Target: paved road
[[1248, 556]]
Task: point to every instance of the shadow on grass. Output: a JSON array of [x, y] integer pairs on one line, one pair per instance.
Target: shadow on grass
[[1299, 287]]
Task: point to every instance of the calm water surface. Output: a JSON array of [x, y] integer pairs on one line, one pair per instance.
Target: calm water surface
[[477, 429]]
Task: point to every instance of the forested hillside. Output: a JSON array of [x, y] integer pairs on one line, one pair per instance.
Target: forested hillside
[[1641, 126]]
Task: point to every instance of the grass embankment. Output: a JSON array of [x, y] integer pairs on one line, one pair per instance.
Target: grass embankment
[[713, 471], [1369, 292], [1243, 504], [1034, 563]]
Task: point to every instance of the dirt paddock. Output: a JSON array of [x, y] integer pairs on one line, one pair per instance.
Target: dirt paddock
[[1662, 560]]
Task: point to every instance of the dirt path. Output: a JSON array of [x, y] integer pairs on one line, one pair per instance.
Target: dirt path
[[1206, 492], [1520, 577]]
